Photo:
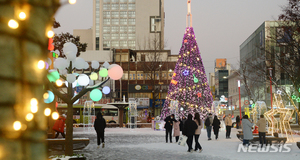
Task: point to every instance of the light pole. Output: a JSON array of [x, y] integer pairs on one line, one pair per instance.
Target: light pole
[[239, 85], [270, 70]]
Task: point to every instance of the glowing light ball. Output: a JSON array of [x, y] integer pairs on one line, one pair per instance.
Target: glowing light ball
[[86, 65], [103, 72], [72, 1], [59, 83], [13, 24], [29, 117], [17, 125], [94, 76], [115, 72], [96, 95], [50, 34], [70, 55], [71, 78], [83, 80], [22, 15], [47, 65], [106, 90], [55, 115], [41, 64], [79, 63], [60, 63], [95, 64], [70, 47], [47, 112], [53, 75], [50, 97]]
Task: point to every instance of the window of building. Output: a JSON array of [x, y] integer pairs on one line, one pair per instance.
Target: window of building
[[131, 43], [97, 43], [123, 14], [131, 36], [115, 14], [115, 43], [143, 58], [115, 29], [131, 6], [115, 6], [106, 21], [131, 21], [131, 14], [106, 14], [123, 1], [123, 29], [106, 1], [170, 75], [106, 44], [131, 28], [106, 6], [114, 36], [155, 24], [106, 29], [131, 1], [114, 1], [106, 36], [140, 76], [123, 43], [114, 21], [123, 21], [123, 36], [123, 6]]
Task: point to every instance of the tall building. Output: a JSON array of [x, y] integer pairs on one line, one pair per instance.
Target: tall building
[[127, 24]]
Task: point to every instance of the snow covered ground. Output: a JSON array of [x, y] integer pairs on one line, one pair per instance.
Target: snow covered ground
[[144, 143]]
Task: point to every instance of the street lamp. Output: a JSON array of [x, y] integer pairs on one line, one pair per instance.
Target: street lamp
[[239, 85], [270, 70]]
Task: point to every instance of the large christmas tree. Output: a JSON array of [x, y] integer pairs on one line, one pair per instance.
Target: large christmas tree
[[189, 90]]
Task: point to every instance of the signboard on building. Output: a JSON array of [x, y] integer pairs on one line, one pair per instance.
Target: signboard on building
[[140, 88], [220, 63], [158, 102], [141, 102]]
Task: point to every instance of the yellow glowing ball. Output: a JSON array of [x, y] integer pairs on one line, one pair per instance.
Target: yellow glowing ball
[[55, 115], [46, 95], [29, 117], [47, 112], [72, 1], [41, 64], [13, 24], [22, 15], [33, 102], [50, 34], [59, 82], [17, 125], [34, 109]]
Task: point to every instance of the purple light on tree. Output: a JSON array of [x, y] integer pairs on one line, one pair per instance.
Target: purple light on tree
[[191, 90]]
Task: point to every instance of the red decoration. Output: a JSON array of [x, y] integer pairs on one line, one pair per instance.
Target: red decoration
[[50, 45], [174, 82], [199, 95], [185, 41]]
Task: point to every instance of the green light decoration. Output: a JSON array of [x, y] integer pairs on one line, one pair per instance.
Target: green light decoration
[[294, 97], [299, 89], [103, 72], [195, 79], [96, 95], [298, 99], [53, 76]]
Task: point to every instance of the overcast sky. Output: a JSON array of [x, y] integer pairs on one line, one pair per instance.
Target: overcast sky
[[221, 26]]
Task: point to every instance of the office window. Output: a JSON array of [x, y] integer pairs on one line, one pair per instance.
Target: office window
[[114, 1], [131, 6], [115, 29], [106, 14], [115, 14], [105, 1], [131, 43], [131, 14], [106, 36], [123, 1], [114, 21], [123, 29], [123, 14], [115, 43], [106, 29], [131, 36], [131, 28], [123, 6], [106, 6], [123, 21], [115, 6], [97, 43], [123, 43], [131, 21], [123, 36], [114, 36], [155, 25], [106, 21], [106, 44]]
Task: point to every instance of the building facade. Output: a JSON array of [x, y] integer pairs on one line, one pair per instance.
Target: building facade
[[124, 24]]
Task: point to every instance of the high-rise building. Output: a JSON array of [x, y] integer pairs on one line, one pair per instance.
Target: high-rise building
[[127, 24]]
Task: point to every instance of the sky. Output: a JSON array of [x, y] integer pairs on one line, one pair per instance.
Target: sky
[[220, 26]]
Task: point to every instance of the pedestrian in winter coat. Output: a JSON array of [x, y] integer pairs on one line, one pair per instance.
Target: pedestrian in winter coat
[[198, 132], [176, 133], [247, 130], [189, 130], [238, 121], [261, 124], [228, 123], [216, 126], [59, 126], [208, 124], [169, 126], [100, 126], [182, 122]]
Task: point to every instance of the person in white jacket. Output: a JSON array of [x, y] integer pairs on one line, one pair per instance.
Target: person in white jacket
[[261, 124], [228, 123], [247, 130]]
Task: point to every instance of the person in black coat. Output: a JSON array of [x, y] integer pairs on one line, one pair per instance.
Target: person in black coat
[[169, 126], [237, 120], [216, 126], [182, 122], [99, 126], [189, 130]]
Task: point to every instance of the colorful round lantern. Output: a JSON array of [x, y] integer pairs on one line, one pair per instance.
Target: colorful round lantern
[[96, 95], [50, 97], [116, 72], [106, 90]]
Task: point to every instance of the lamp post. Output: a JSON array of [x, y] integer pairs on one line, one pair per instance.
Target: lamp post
[[270, 70], [239, 85]]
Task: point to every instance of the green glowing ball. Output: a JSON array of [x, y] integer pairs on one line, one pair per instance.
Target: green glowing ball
[[96, 95], [103, 72], [53, 76]]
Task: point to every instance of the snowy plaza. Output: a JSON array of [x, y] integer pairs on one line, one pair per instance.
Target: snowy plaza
[[145, 143]]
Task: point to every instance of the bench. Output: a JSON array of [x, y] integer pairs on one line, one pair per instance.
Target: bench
[[59, 144], [269, 139]]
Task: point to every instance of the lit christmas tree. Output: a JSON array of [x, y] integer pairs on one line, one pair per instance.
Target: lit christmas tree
[[189, 91]]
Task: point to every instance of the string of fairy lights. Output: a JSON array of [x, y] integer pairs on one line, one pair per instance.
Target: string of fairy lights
[[21, 14]]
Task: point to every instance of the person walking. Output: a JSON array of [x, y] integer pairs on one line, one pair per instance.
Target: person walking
[[189, 130], [261, 124], [247, 130], [198, 132], [208, 124], [216, 126], [100, 125], [182, 120], [176, 133], [59, 126], [238, 121], [228, 123], [169, 126]]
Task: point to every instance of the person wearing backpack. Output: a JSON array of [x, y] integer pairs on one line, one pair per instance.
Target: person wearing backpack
[[208, 124]]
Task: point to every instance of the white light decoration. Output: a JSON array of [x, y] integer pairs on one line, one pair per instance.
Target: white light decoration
[[59, 83], [239, 83], [83, 80], [74, 84], [95, 64], [106, 90], [29, 117], [13, 24], [72, 1], [17, 125], [61, 63], [22, 15], [41, 64], [106, 64], [46, 95], [79, 63], [33, 102], [71, 78], [34, 109], [55, 115], [50, 34], [70, 50], [47, 111]]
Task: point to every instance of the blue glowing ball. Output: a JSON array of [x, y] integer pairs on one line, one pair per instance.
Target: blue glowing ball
[[106, 90]]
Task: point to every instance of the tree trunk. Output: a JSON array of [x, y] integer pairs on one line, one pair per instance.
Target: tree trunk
[[21, 80]]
